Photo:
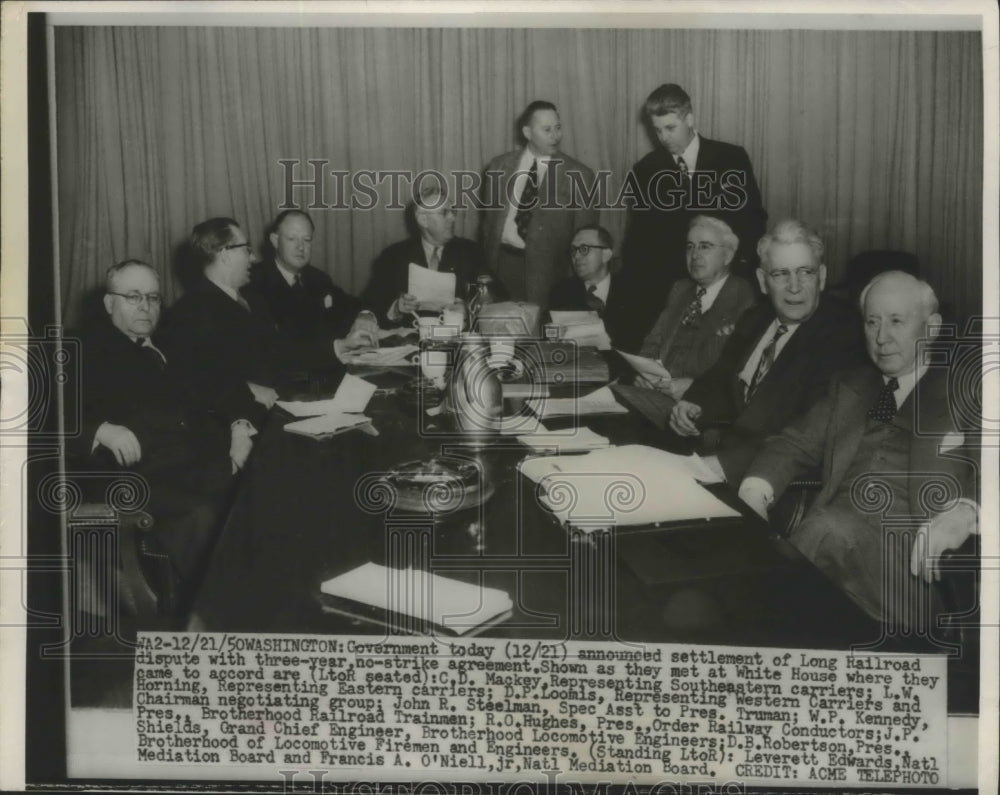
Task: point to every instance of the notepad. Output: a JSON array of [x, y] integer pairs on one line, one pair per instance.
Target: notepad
[[328, 424], [570, 440], [600, 401], [433, 290], [381, 594], [386, 357], [352, 395], [622, 486]]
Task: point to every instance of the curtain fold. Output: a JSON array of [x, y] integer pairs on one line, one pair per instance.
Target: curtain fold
[[875, 138]]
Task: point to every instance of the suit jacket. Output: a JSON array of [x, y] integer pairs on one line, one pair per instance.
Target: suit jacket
[[218, 346], [571, 295], [560, 212], [390, 272], [181, 446], [826, 343], [714, 328], [319, 310], [655, 236]]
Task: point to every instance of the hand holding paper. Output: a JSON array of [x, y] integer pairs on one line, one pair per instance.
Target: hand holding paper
[[432, 289]]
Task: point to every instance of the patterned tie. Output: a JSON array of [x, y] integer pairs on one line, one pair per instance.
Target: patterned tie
[[693, 313], [435, 261], [527, 202], [297, 283], [682, 166], [766, 360], [594, 301], [150, 352], [885, 407]]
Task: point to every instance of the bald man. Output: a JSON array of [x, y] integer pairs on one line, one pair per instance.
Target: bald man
[[889, 446]]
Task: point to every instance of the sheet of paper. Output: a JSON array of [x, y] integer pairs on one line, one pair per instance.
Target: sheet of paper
[[564, 441], [590, 333], [600, 401], [352, 395], [572, 317], [433, 289], [386, 357], [645, 366], [326, 423], [459, 606], [621, 486]]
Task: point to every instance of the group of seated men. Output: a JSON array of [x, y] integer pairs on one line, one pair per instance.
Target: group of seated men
[[768, 385]]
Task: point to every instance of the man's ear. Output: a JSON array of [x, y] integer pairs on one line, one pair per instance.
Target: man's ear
[[822, 277], [762, 280], [107, 302], [273, 237], [606, 255], [689, 120], [934, 326]]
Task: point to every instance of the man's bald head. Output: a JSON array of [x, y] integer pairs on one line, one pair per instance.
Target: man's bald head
[[899, 310]]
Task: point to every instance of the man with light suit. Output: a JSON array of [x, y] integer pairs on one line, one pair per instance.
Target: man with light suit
[[888, 428]]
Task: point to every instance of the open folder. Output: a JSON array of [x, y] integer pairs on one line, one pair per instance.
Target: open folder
[[415, 600], [623, 486]]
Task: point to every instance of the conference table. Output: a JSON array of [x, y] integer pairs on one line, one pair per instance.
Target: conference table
[[311, 509]]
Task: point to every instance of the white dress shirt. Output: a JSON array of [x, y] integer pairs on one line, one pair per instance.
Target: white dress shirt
[[690, 154], [711, 293], [510, 234]]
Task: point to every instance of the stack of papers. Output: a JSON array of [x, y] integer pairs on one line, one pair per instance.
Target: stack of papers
[[622, 486], [434, 290], [458, 607], [328, 424], [386, 357], [563, 441], [352, 395], [586, 328], [600, 401]]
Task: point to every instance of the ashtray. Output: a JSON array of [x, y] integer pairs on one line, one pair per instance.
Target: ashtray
[[438, 485]]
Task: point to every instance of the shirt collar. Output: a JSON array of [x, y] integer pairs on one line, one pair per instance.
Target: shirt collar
[[234, 294], [690, 154], [527, 156], [907, 381], [287, 273], [712, 292]]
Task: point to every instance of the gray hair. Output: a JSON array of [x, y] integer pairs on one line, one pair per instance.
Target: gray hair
[[111, 275], [790, 231], [724, 230], [925, 293]]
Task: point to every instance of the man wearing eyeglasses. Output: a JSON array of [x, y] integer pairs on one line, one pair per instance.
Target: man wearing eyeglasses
[[304, 302], [432, 244], [135, 416], [596, 287], [779, 358]]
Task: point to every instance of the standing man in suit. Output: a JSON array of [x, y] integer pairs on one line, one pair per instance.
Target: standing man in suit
[[685, 175], [432, 244], [534, 205], [778, 360], [887, 423], [701, 311], [306, 305], [595, 287], [134, 416]]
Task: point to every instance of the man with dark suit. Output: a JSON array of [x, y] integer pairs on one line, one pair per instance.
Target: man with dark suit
[[887, 430], [686, 175], [534, 203], [306, 305], [779, 358], [432, 244], [701, 311], [134, 416], [595, 288]]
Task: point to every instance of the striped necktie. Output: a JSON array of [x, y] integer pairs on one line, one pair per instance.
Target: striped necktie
[[529, 195], [766, 361], [693, 313]]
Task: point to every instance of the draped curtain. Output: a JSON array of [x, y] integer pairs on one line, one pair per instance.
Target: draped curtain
[[874, 138]]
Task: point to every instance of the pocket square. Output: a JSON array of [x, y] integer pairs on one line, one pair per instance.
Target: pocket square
[[726, 330], [328, 302], [952, 440]]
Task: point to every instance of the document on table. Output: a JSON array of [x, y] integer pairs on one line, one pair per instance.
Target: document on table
[[646, 367], [433, 289], [586, 328], [622, 486], [328, 424], [569, 440], [600, 401], [352, 395], [457, 606]]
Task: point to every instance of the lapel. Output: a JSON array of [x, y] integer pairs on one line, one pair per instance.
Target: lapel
[[857, 393], [927, 408], [706, 154], [683, 299], [759, 325], [508, 165]]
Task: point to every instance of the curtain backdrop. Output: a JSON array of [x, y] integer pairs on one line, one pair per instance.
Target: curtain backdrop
[[875, 138]]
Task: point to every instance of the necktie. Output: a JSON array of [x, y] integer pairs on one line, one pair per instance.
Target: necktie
[[693, 313], [150, 352], [527, 202], [885, 407], [682, 166], [594, 301], [766, 360], [435, 261], [297, 283]]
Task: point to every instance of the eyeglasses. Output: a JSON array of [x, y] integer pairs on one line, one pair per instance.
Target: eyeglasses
[[784, 277], [136, 299], [247, 246], [584, 249], [702, 247]]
